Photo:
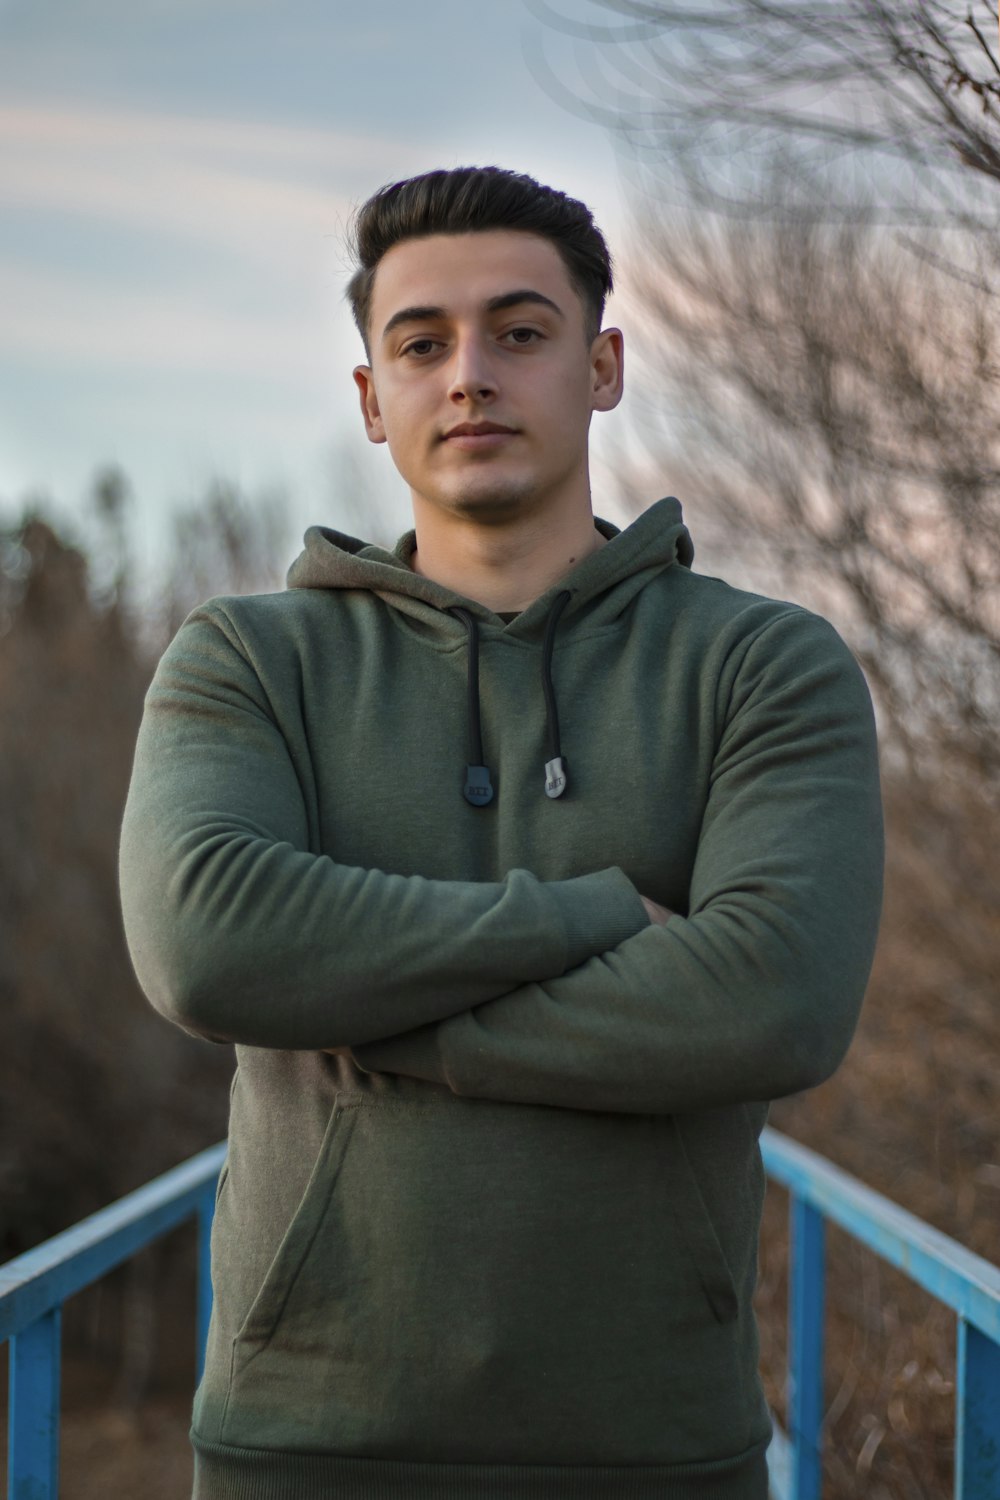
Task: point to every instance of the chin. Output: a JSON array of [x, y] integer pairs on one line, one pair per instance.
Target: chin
[[492, 502]]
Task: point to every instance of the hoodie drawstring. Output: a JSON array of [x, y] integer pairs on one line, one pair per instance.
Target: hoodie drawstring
[[478, 788], [555, 766]]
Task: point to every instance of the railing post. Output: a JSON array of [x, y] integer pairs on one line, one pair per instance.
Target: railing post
[[977, 1402], [33, 1422], [805, 1346], [206, 1212]]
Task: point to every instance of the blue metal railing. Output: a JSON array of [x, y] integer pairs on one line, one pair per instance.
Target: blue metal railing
[[35, 1285], [819, 1191]]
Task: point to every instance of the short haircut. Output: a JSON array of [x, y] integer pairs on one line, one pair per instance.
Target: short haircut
[[467, 200]]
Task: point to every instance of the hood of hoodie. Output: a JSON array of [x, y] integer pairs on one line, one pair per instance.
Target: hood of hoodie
[[600, 586], [598, 589]]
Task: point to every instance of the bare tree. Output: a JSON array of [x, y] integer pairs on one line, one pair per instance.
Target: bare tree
[[226, 542], [831, 401], [900, 98]]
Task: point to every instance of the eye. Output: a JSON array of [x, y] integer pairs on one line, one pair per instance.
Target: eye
[[414, 349], [533, 332]]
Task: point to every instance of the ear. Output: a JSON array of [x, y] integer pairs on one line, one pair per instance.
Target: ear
[[365, 382], [607, 362]]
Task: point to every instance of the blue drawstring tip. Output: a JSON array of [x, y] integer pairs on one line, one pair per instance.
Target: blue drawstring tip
[[478, 786]]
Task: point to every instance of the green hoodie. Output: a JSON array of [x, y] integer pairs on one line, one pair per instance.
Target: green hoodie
[[505, 1248]]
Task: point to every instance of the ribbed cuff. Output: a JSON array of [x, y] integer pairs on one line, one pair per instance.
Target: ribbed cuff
[[416, 1053], [598, 912]]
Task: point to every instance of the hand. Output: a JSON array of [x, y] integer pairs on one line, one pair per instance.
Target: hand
[[659, 914]]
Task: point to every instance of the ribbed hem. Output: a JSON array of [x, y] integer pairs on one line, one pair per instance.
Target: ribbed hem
[[225, 1473]]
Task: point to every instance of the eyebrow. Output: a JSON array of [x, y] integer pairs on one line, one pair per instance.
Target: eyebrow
[[495, 304]]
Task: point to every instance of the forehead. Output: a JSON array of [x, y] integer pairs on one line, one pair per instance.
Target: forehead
[[460, 272]]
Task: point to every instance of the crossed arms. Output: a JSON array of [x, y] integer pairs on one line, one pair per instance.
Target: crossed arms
[[565, 993]]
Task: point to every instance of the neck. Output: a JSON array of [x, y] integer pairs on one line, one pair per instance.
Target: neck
[[504, 567]]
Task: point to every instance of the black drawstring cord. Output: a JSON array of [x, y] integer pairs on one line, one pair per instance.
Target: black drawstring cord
[[478, 787], [555, 765]]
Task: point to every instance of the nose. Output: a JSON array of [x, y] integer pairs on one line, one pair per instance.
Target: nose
[[472, 376]]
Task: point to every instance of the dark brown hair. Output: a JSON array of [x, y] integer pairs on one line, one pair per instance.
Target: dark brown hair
[[473, 199]]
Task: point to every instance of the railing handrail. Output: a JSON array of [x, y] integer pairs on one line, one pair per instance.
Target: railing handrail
[[69, 1261], [33, 1287], [819, 1192], [954, 1275], [44, 1277]]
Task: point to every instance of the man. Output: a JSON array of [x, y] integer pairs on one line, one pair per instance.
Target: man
[[524, 866]]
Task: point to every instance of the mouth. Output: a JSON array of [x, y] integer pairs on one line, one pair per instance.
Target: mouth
[[475, 436]]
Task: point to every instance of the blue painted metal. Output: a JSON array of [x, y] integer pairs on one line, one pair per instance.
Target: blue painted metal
[[44, 1277], [779, 1466], [954, 1275], [33, 1421], [977, 1438], [206, 1212], [805, 1346], [34, 1286]]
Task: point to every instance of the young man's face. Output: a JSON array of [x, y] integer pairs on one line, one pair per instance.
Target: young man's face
[[445, 352]]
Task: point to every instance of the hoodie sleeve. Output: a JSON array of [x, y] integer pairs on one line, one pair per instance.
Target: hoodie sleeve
[[754, 993], [238, 933]]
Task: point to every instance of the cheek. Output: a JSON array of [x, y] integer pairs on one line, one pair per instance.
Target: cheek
[[400, 420], [564, 393], [409, 435], [571, 419]]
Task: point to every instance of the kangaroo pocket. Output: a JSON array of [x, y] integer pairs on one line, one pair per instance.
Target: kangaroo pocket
[[470, 1281], [699, 1231]]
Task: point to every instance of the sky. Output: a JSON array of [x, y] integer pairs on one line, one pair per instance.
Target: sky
[[175, 180]]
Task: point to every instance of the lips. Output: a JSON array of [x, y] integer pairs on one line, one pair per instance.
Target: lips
[[478, 429]]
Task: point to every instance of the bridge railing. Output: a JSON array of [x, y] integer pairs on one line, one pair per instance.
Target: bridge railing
[[34, 1286], [820, 1192]]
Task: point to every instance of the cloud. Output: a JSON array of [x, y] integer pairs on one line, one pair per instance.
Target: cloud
[[248, 206], [89, 127], [221, 183], [77, 319]]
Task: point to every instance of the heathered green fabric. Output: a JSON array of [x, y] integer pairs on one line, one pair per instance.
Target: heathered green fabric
[[508, 1249]]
